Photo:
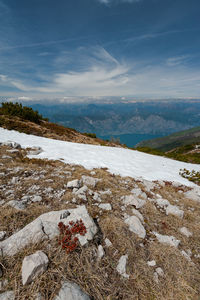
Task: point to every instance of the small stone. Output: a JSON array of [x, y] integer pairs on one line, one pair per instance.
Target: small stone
[[74, 184], [9, 295], [2, 235], [35, 151], [105, 206], [71, 291], [151, 263], [185, 231], [36, 198], [138, 214], [160, 271], [100, 252], [19, 205], [133, 200], [165, 239], [136, 226], [121, 267], [108, 242], [33, 266], [174, 210], [87, 180]]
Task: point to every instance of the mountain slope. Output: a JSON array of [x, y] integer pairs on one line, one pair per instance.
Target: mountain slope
[[118, 160], [49, 130], [186, 137], [133, 238]]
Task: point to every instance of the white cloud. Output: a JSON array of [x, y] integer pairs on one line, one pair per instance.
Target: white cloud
[[117, 1], [177, 60], [98, 73]]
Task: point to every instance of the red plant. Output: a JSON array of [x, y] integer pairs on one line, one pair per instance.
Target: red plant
[[68, 240]]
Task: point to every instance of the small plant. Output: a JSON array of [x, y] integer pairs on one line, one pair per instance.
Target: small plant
[[191, 175], [92, 135], [68, 240]]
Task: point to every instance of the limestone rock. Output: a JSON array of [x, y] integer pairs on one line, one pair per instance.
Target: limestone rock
[[35, 151], [108, 242], [193, 194], [105, 206], [151, 263], [46, 227], [174, 210], [33, 266], [166, 239], [71, 291], [9, 295], [185, 231], [100, 252], [121, 267], [136, 226], [2, 235], [91, 181], [74, 184], [133, 200]]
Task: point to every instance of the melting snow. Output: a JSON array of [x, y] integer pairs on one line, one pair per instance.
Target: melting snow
[[120, 161]]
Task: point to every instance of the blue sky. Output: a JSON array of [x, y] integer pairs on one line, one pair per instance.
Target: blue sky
[[138, 48]]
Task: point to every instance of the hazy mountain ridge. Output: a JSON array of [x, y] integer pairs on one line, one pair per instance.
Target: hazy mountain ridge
[[154, 117]]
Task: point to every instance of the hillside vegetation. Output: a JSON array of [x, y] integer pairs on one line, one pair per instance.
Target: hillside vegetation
[[178, 139]]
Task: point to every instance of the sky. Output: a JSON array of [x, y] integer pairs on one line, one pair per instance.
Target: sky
[[94, 48]]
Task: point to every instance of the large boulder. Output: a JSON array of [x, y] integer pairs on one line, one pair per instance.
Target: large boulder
[[33, 266], [46, 227], [71, 291]]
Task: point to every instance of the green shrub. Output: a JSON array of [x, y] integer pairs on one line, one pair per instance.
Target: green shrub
[[92, 135], [191, 175], [24, 112]]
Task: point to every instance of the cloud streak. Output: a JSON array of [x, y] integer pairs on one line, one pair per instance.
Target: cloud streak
[[104, 75], [106, 2]]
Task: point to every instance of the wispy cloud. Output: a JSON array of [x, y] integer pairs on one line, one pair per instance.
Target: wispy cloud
[[117, 1], [99, 73], [177, 60]]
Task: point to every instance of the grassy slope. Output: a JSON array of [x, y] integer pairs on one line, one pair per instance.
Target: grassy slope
[[172, 141], [49, 130]]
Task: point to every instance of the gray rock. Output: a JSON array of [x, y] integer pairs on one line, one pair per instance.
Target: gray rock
[[87, 180], [2, 235], [136, 226], [174, 210], [11, 144], [14, 180], [133, 200], [3, 284], [33, 266], [71, 291], [121, 267], [105, 206], [74, 184], [19, 205], [193, 194], [9, 295], [166, 239], [35, 151], [46, 227], [36, 198], [100, 252], [185, 231]]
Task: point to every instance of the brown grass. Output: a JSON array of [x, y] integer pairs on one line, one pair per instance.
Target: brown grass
[[99, 278]]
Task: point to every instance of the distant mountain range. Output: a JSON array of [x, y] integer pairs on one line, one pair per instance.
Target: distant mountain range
[[130, 122]]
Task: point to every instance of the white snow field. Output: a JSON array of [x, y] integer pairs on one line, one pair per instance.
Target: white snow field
[[120, 161]]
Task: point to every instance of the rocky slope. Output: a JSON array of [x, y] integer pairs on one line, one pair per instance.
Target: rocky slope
[[71, 233]]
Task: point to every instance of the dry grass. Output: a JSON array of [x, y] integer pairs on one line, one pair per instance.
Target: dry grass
[[99, 278]]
